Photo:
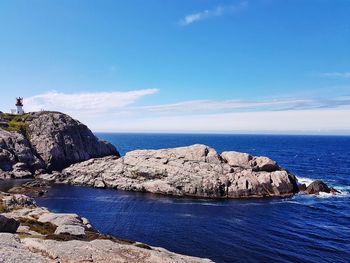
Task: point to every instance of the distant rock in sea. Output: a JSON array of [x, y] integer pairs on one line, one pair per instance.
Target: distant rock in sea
[[316, 187], [196, 171]]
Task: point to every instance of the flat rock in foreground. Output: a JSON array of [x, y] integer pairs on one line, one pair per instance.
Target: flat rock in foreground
[[28, 250], [195, 170], [39, 235]]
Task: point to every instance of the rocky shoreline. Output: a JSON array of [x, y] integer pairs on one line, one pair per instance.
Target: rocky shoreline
[[29, 233], [51, 147]]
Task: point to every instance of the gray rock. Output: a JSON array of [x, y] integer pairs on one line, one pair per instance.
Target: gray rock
[[27, 250], [262, 163], [47, 177], [15, 148], [60, 219], [195, 170], [20, 170], [60, 140], [237, 159], [16, 200], [73, 230], [316, 187], [13, 251], [8, 225], [104, 251]]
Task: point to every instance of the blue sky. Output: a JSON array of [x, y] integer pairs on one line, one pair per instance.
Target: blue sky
[[255, 65]]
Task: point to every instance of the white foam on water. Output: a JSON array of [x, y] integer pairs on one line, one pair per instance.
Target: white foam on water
[[325, 195], [305, 180]]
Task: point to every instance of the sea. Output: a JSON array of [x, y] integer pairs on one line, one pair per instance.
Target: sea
[[301, 228]]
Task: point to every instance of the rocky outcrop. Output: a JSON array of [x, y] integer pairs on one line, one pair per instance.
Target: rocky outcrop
[[27, 250], [51, 141], [15, 201], [60, 140], [17, 155], [196, 171], [318, 186]]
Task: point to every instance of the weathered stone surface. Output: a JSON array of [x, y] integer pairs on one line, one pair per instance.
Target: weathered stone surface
[[74, 230], [316, 187], [47, 177], [20, 170], [104, 251], [16, 200], [15, 148], [60, 219], [237, 159], [29, 250], [195, 170], [52, 141], [8, 225], [13, 251], [263, 163], [35, 187], [60, 140]]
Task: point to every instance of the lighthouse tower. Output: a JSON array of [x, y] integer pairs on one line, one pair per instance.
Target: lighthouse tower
[[19, 105]]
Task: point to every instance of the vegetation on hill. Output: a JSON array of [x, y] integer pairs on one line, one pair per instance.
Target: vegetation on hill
[[16, 123]]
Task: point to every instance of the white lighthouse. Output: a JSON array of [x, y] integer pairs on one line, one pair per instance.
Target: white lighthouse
[[19, 106]]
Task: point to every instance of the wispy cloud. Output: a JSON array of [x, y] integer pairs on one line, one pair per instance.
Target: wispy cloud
[[336, 75], [88, 102], [217, 106], [218, 11], [287, 121], [118, 111]]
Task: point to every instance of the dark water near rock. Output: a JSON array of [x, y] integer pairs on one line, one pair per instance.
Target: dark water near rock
[[297, 229]]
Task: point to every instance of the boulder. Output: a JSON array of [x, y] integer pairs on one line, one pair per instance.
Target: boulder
[[73, 230], [316, 187], [237, 159], [60, 219], [195, 170], [8, 225], [263, 163]]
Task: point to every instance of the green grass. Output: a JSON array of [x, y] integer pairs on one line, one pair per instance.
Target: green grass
[[39, 227], [16, 123], [3, 209]]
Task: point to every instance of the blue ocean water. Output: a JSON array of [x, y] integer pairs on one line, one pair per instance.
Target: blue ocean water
[[297, 229]]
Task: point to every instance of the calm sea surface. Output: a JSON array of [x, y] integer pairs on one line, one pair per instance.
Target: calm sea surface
[[298, 229]]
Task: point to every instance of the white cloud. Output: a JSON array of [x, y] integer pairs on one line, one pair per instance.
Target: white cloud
[[291, 121], [277, 115], [336, 75], [218, 11], [232, 105], [85, 103]]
